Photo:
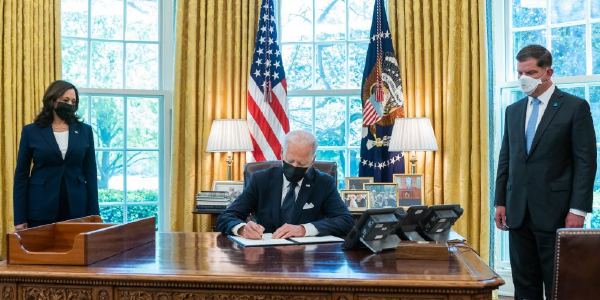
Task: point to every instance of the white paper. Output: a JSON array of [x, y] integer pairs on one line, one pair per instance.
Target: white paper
[[316, 239], [265, 241]]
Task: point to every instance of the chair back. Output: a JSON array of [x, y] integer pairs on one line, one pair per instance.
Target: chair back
[[576, 264], [328, 167]]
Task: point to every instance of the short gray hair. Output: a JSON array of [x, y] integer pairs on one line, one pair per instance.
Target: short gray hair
[[300, 138]]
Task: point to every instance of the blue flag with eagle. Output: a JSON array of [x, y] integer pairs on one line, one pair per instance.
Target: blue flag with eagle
[[382, 100]]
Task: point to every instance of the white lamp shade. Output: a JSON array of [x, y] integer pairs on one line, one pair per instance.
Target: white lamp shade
[[229, 135], [413, 134]]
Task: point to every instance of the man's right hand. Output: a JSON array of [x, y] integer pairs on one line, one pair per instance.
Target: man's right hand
[[500, 218], [21, 226], [252, 231]]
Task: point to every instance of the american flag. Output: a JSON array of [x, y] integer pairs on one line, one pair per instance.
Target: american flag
[[267, 91]]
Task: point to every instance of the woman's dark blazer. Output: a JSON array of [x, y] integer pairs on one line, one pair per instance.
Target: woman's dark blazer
[[36, 193]]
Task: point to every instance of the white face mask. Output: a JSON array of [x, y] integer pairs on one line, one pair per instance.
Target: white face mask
[[529, 84]]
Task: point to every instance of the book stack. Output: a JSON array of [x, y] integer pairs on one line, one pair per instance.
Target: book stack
[[212, 200]]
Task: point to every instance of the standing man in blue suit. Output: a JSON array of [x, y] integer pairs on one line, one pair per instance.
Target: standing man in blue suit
[[291, 200], [62, 183], [546, 171]]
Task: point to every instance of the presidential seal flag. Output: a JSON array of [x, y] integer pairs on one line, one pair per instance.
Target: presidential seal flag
[[382, 100], [267, 91]]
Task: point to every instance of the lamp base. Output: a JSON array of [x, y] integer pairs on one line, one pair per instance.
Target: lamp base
[[229, 161], [413, 164]]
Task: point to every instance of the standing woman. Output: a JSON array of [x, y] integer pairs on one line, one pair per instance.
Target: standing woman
[[62, 183]]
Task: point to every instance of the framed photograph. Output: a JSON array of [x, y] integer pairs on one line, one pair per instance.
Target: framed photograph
[[356, 200], [356, 183], [410, 189], [234, 187], [382, 195]]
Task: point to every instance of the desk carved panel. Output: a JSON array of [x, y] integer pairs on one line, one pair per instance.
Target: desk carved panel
[[148, 294], [52, 292]]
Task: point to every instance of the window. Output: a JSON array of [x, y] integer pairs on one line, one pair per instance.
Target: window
[[111, 50], [571, 31], [324, 45]]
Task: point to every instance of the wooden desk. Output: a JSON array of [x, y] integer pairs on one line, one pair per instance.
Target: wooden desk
[[181, 266]]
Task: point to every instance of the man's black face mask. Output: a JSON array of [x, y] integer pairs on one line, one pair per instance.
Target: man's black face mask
[[293, 174]]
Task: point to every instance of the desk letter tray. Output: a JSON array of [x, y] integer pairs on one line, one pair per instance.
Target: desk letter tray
[[81, 242]]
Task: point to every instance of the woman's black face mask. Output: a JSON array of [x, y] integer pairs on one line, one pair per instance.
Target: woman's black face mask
[[65, 111]]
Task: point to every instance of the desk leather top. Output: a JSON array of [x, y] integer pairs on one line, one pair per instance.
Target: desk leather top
[[213, 258]]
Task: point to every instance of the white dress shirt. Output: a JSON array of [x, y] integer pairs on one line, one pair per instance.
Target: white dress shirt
[[544, 99]]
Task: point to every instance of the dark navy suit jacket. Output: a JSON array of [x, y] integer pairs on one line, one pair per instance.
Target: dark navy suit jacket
[[558, 172], [262, 197], [36, 194]]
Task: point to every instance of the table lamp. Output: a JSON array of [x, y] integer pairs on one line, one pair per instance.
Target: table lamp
[[229, 135], [413, 134]]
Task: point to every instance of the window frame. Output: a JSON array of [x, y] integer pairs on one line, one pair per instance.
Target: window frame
[[164, 94], [314, 93], [505, 80]]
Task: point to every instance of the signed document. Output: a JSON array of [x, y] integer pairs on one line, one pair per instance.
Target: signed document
[[268, 241]]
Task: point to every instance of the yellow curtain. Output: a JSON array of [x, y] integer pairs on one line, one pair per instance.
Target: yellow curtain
[[30, 60], [442, 50], [214, 47]]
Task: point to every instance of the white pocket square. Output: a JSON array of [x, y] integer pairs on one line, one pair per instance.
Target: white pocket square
[[308, 206]]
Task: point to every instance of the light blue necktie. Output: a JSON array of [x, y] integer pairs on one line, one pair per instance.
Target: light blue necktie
[[530, 132]]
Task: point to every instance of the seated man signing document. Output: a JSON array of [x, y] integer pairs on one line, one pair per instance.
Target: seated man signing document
[[292, 200]]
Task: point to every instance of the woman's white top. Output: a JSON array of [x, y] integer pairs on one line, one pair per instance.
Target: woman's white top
[[62, 138]]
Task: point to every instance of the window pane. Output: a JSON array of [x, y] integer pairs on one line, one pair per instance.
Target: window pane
[[595, 108], [294, 15], [568, 50], [142, 122], [330, 66], [355, 135], [360, 14], [357, 54], [107, 65], [596, 48], [567, 11], [74, 62], [142, 176], [298, 62], [136, 212], [330, 125], [595, 219], [142, 66], [110, 176], [578, 91], [524, 38], [300, 113], [111, 214], [338, 157], [527, 13], [595, 8], [107, 19], [354, 162], [74, 18], [142, 20], [107, 121], [330, 20], [83, 109]]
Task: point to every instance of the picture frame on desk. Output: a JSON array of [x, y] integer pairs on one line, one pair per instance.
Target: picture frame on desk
[[357, 183], [410, 189], [382, 195], [234, 187], [355, 200]]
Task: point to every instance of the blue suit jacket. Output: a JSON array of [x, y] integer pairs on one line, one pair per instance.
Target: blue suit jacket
[[262, 197], [558, 172], [36, 194]]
